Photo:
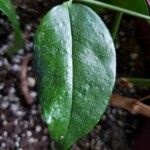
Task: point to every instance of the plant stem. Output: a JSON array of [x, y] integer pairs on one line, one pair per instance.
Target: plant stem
[[134, 106], [116, 25], [116, 8], [140, 82]]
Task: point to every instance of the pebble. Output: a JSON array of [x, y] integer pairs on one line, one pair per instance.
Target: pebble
[[45, 131], [4, 104], [98, 147], [1, 21], [38, 128], [5, 133], [23, 135], [21, 51], [117, 45], [114, 111], [3, 145], [3, 117], [5, 98], [3, 49], [34, 112], [28, 27], [15, 122], [29, 68], [76, 147], [31, 123], [15, 135], [31, 82], [32, 34], [12, 90], [104, 118], [29, 46], [98, 128], [14, 107], [13, 98], [44, 138], [112, 117], [11, 36], [1, 86], [16, 59], [18, 138], [33, 94], [5, 123], [17, 144], [133, 56], [92, 143], [28, 133], [6, 63], [32, 140], [20, 113], [16, 67], [26, 124]]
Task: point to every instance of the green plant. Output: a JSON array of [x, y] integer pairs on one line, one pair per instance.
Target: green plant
[[75, 62], [7, 8], [139, 10]]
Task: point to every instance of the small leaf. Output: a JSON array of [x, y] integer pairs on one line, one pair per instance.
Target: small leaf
[[138, 6], [140, 82], [75, 64], [7, 8], [120, 6]]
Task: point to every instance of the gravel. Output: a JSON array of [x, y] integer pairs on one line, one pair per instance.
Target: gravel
[[23, 127]]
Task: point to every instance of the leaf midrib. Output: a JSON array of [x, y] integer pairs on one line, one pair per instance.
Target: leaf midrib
[[68, 8]]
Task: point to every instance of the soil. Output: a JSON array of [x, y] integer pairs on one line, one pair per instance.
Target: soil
[[22, 127]]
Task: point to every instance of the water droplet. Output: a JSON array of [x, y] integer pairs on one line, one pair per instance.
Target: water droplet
[[87, 87], [60, 24]]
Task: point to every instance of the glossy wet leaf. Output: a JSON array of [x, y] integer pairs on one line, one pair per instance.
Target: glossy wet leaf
[[138, 6], [7, 8], [75, 65]]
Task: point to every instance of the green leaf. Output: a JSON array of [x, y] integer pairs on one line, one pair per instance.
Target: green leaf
[[75, 64], [100, 4], [140, 82], [7, 8], [138, 6]]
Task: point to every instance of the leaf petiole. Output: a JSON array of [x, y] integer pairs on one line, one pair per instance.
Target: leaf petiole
[[116, 25], [116, 8], [139, 81]]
